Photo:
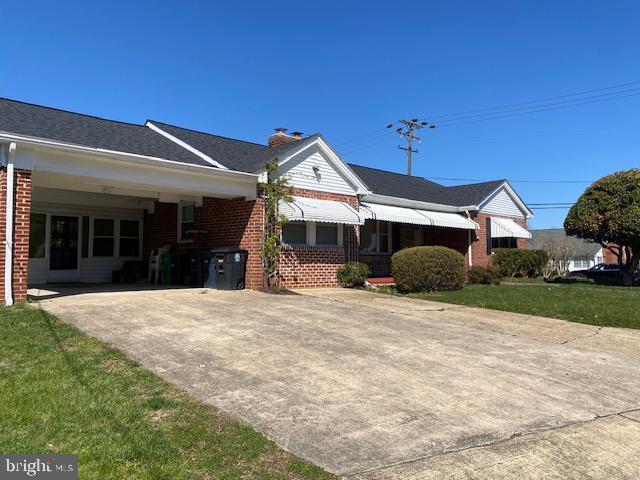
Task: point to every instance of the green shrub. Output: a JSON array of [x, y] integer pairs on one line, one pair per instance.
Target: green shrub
[[513, 262], [421, 269], [484, 275], [352, 274]]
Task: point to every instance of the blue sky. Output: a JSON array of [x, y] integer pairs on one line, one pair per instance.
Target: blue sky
[[347, 69]]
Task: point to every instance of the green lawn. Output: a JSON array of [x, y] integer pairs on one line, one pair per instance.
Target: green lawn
[[64, 392], [580, 302]]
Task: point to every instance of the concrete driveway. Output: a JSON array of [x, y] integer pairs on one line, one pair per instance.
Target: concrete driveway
[[378, 387]]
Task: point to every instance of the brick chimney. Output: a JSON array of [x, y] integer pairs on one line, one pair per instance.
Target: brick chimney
[[281, 137]]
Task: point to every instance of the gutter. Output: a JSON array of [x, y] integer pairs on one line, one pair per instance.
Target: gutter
[[8, 251], [143, 159]]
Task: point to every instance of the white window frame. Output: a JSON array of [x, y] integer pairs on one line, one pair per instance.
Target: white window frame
[[390, 239], [180, 206], [92, 236], [312, 229], [311, 240], [118, 229]]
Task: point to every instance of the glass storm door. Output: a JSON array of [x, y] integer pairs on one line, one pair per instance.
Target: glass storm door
[[63, 249]]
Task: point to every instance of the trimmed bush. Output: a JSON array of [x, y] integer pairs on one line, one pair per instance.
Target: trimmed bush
[[484, 275], [514, 262], [352, 274], [420, 269]]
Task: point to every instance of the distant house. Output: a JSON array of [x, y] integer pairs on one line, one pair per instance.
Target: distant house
[[580, 254]]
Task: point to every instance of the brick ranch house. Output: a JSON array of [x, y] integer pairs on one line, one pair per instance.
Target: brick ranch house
[[80, 195]]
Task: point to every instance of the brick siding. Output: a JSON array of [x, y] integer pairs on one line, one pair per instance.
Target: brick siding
[[479, 254], [226, 223], [314, 266], [22, 211]]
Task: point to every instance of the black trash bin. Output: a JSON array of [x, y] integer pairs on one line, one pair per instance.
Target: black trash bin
[[198, 269], [230, 266], [178, 270]]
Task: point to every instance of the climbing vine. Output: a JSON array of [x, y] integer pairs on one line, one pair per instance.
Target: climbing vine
[[276, 190]]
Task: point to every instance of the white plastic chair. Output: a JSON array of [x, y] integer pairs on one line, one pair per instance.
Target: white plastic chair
[[155, 262]]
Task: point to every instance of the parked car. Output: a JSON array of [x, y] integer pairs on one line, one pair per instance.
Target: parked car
[[604, 272]]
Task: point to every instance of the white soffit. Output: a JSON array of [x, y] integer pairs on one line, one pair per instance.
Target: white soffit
[[413, 216], [506, 228], [321, 211]]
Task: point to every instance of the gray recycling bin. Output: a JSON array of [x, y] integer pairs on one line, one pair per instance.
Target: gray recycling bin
[[230, 265]]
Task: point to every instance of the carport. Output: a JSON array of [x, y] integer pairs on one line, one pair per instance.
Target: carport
[[81, 213]]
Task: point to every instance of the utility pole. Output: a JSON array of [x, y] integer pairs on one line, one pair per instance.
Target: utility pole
[[408, 132]]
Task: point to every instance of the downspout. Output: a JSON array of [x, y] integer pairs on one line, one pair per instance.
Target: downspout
[[469, 240], [8, 252]]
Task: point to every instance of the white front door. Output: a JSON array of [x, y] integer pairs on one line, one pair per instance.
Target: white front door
[[64, 249]]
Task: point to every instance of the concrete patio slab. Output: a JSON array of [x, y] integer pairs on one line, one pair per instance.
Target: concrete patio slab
[[356, 386]]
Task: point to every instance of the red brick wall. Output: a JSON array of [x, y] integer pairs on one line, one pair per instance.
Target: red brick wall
[[479, 254], [312, 266], [22, 211], [227, 223]]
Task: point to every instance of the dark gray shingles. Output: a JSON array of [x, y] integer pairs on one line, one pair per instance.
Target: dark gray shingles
[[234, 154], [581, 247], [420, 189], [59, 125]]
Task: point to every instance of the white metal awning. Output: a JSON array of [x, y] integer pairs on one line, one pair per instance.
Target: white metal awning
[[415, 216], [323, 211], [389, 213], [505, 228]]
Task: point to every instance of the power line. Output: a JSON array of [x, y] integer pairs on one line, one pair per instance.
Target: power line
[[510, 181], [584, 92], [551, 208], [603, 96], [557, 204], [540, 110]]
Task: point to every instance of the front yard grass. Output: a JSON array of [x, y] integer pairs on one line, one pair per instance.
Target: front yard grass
[[62, 391], [602, 305]]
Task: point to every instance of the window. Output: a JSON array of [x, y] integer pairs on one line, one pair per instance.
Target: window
[[294, 233], [103, 237], [129, 238], [326, 234], [37, 235], [506, 242], [375, 237], [186, 220], [581, 262], [369, 237], [383, 236], [85, 237]]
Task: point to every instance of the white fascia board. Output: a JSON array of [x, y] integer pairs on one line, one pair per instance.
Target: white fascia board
[[336, 161], [114, 154], [185, 145], [514, 196], [405, 202]]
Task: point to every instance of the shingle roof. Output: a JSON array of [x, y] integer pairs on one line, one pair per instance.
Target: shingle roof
[[581, 247], [59, 125], [391, 184], [234, 154]]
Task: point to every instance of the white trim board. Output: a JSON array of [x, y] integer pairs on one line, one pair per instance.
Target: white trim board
[[185, 145]]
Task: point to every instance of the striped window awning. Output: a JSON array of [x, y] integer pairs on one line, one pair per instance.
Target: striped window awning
[[390, 213], [506, 228], [321, 211]]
